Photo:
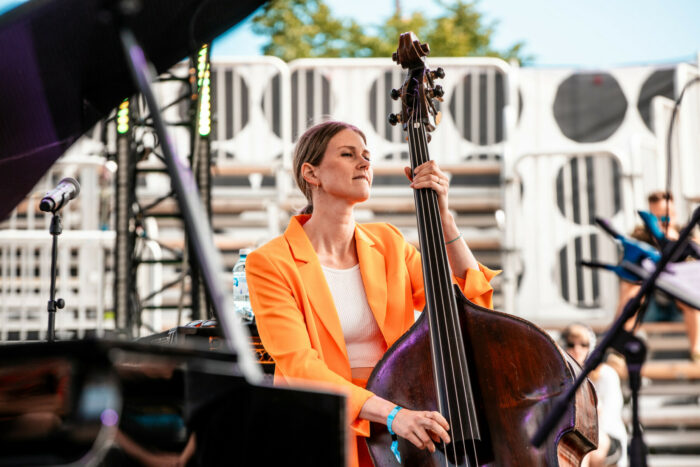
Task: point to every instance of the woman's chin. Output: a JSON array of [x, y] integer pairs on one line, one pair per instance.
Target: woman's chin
[[362, 198]]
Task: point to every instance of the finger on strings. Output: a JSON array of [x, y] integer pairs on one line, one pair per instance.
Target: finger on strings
[[423, 436], [437, 416], [428, 181], [438, 430], [436, 171], [422, 178], [415, 440], [430, 166]]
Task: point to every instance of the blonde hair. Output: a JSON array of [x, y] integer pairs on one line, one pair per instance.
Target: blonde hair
[[580, 330], [311, 147]]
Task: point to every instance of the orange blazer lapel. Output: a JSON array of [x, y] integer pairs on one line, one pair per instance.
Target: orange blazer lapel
[[314, 280], [373, 273]]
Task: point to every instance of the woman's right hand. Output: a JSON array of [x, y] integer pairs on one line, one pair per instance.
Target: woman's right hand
[[421, 428]]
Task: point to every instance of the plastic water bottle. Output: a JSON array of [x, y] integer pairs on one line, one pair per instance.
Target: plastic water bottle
[[241, 299]]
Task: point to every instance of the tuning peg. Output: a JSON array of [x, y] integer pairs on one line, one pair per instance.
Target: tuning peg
[[394, 119], [438, 91], [439, 72], [395, 94]]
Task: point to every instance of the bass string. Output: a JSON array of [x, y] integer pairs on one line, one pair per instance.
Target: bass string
[[435, 334], [450, 316], [438, 267], [433, 255]]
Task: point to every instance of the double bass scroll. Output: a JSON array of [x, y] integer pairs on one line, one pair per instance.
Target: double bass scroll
[[493, 376]]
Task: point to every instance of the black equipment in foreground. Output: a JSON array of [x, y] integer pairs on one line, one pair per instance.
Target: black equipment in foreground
[[62, 402], [63, 70]]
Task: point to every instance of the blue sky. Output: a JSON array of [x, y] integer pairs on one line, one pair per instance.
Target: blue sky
[[583, 33]]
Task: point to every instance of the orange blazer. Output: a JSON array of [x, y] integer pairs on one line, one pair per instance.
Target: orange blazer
[[296, 315]]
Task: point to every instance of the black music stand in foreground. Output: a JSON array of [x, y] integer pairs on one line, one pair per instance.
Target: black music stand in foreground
[[626, 343]]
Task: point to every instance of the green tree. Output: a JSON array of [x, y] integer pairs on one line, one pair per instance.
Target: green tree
[[307, 29]]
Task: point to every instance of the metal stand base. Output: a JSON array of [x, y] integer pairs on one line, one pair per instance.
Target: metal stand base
[[634, 351]]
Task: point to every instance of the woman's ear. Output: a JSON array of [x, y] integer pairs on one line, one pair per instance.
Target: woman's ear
[[308, 171]]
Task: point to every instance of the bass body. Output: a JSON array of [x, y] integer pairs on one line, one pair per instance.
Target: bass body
[[516, 370]]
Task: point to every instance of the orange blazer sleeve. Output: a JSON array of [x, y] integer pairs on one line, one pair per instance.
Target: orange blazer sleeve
[[282, 329]]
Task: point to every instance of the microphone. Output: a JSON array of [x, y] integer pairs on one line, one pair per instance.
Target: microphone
[[67, 189]]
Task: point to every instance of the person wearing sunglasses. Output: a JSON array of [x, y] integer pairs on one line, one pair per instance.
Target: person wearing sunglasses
[[578, 341], [662, 307]]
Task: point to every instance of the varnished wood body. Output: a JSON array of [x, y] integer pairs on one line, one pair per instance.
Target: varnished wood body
[[517, 370]]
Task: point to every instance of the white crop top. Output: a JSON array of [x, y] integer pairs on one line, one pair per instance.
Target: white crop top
[[363, 339]]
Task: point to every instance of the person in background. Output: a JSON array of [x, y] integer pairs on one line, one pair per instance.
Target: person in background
[[578, 340], [661, 307], [330, 296]]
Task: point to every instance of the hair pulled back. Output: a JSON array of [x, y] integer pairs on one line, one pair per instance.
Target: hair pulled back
[[311, 147]]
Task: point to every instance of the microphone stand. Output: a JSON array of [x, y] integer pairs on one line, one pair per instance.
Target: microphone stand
[[55, 230], [629, 345]]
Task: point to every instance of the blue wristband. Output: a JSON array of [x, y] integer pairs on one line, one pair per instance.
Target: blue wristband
[[394, 438]]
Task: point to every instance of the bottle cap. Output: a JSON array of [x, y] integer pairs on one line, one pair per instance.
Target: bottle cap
[[244, 251]]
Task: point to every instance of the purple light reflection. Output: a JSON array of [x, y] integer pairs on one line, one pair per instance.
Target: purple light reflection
[[109, 417]]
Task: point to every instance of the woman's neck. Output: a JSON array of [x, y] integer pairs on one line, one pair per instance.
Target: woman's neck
[[332, 234]]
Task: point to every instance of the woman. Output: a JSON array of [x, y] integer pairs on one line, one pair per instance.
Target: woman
[[330, 296], [579, 340]]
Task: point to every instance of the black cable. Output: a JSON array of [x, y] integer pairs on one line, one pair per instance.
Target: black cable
[[194, 46]]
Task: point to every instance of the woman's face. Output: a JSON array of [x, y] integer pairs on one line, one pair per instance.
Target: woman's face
[[659, 208], [345, 171], [578, 344]]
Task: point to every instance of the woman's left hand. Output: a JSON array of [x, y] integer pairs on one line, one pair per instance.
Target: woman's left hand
[[429, 175]]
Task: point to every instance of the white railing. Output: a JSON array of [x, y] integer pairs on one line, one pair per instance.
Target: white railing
[[83, 254], [82, 283], [554, 184], [550, 228]]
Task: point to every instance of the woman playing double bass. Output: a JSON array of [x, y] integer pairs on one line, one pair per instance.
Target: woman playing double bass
[[331, 295]]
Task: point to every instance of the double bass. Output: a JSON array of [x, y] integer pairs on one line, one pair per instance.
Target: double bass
[[493, 376]]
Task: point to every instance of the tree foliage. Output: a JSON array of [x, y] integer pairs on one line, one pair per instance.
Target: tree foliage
[[307, 29]]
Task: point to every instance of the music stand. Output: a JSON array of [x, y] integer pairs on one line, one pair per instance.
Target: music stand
[[616, 337]]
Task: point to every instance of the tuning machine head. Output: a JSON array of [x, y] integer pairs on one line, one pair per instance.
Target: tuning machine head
[[437, 73], [394, 119], [437, 92], [395, 94]]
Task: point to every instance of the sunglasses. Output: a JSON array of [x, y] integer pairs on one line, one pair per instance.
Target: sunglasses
[[571, 345]]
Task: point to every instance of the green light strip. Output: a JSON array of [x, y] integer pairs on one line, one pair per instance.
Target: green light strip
[[123, 117], [204, 87]]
